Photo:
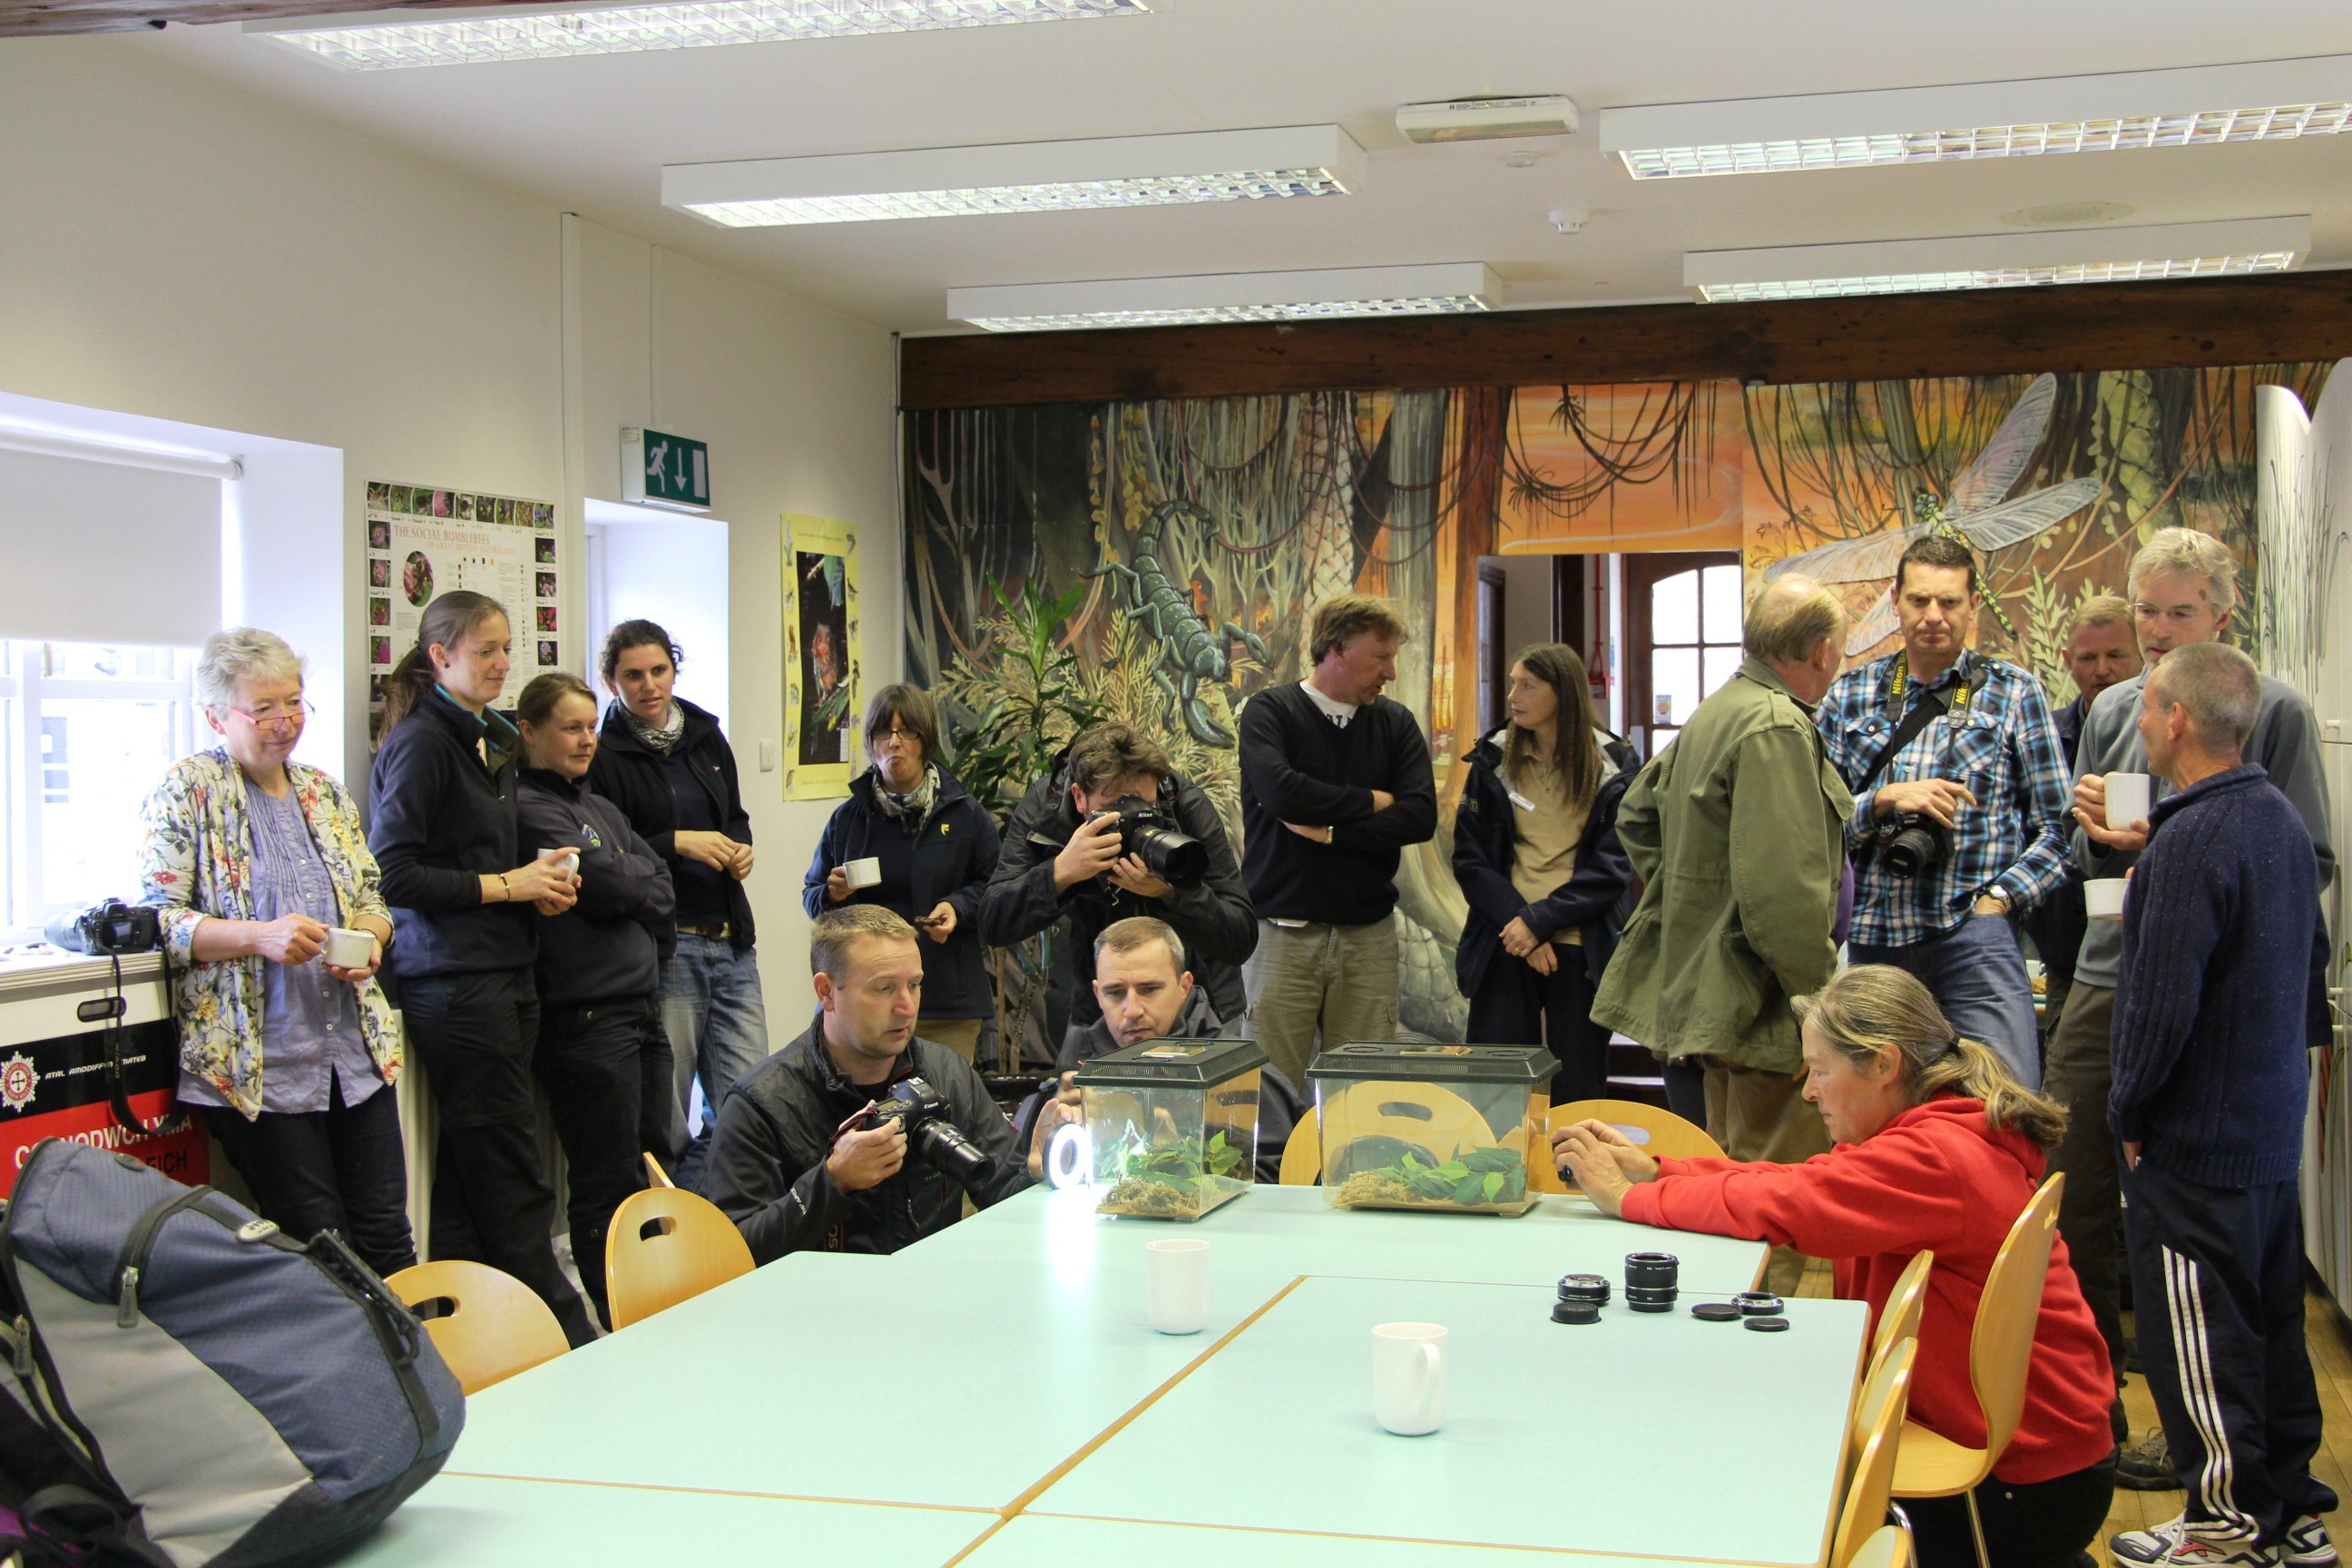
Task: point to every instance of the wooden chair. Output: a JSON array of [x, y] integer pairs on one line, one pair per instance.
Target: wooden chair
[[1879, 1386], [1302, 1157], [1660, 1133], [1900, 1319], [655, 1176], [491, 1326], [666, 1245], [2000, 1352], [1870, 1490], [1890, 1547]]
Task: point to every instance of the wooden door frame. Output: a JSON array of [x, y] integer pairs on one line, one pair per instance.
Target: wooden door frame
[[1644, 571]]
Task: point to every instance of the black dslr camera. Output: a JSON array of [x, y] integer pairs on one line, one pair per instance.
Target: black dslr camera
[[1173, 856], [1917, 842], [107, 927], [923, 1110]]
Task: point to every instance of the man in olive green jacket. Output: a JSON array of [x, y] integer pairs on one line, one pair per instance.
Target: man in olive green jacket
[[1738, 830]]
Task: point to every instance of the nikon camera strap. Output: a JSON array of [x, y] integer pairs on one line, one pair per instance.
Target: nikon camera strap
[[1930, 707]]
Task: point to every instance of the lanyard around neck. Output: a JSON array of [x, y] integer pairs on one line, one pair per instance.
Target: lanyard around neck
[[1901, 683]]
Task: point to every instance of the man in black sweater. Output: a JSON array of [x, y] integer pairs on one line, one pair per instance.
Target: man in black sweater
[[2220, 993], [1335, 782]]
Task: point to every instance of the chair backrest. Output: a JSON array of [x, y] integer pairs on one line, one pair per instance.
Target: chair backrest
[[1420, 1115], [1899, 1320], [1302, 1157], [1888, 1547], [1879, 1386], [666, 1245], [1660, 1133], [2001, 1348], [491, 1324], [655, 1176], [1867, 1493]]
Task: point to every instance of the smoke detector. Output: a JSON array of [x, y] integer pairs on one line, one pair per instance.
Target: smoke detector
[[1487, 119]]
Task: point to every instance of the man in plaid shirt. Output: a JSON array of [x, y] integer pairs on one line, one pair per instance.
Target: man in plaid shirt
[[1988, 768]]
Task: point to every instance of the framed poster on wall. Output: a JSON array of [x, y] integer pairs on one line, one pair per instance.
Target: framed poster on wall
[[423, 541], [824, 686]]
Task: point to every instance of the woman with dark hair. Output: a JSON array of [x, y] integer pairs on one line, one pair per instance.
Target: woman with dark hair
[[447, 835], [935, 847], [1936, 1147], [664, 761], [602, 1053], [1536, 851]]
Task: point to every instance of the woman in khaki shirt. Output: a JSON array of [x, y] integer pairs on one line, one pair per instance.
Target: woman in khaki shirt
[[1536, 851]]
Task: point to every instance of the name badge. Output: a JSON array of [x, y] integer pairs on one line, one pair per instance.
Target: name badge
[[1522, 802]]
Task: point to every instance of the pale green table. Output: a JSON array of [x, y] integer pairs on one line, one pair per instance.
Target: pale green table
[[1031, 1540], [1640, 1434], [464, 1521]]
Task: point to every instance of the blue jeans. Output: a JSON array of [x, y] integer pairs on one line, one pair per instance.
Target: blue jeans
[[718, 1029], [1975, 972]]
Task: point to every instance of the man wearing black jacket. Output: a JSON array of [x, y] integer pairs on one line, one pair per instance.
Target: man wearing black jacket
[[786, 1163], [1336, 781], [1061, 858]]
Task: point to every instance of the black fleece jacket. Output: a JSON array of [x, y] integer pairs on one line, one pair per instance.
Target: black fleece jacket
[[947, 857], [1298, 766], [767, 1167], [612, 942], [442, 819], [1486, 843], [1213, 916], [630, 774]]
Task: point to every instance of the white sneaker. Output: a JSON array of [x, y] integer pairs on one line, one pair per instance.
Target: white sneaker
[[2307, 1545], [2176, 1541]]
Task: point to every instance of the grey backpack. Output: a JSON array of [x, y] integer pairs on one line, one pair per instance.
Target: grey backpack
[[185, 1387]]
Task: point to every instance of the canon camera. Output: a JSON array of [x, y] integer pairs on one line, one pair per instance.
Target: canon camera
[[1150, 831], [930, 1136]]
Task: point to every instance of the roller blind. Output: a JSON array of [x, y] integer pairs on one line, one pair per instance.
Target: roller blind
[[100, 552]]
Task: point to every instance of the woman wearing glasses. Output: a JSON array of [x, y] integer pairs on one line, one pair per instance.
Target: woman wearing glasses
[[934, 848], [250, 857]]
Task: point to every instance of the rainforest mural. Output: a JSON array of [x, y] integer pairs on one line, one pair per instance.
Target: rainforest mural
[[1156, 561]]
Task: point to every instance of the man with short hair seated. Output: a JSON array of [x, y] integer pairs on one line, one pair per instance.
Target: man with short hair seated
[[1147, 994], [788, 1162]]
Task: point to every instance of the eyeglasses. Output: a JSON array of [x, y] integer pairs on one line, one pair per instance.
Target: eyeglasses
[[908, 736], [298, 714]]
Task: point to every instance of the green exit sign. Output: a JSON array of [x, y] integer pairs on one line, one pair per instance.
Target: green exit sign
[[662, 469]]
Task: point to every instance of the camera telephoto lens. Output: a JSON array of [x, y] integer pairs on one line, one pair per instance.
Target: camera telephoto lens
[[1148, 830], [949, 1152], [1918, 846]]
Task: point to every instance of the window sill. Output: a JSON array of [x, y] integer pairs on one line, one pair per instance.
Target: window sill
[[46, 969]]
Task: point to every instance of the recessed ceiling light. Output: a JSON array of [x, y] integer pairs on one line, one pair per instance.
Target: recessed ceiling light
[[2000, 260], [2065, 215], [1443, 288], [1020, 177], [380, 40], [1487, 119], [2269, 102]]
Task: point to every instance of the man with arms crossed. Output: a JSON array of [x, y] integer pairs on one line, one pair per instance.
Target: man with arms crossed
[[1335, 782], [2184, 589]]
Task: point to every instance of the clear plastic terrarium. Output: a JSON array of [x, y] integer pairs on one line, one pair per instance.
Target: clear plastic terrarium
[[1172, 1125], [1458, 1128]]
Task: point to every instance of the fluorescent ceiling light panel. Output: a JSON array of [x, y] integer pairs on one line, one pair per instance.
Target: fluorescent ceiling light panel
[[1443, 288], [1021, 177], [383, 40], [2269, 102], [2000, 260]]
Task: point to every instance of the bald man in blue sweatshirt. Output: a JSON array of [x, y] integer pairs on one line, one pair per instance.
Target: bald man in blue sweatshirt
[[2221, 995]]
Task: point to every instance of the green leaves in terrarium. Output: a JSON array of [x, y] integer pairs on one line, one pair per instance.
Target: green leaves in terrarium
[[1172, 1178], [1472, 1178]]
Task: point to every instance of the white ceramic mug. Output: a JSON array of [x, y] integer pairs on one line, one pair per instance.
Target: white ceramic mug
[[865, 873], [2130, 797], [570, 861], [1409, 1377], [348, 949], [2102, 897], [1178, 1274]]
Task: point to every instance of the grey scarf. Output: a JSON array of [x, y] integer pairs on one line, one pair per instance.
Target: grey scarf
[[916, 803], [658, 737]]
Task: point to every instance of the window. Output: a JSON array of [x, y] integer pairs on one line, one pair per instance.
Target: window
[[86, 732], [1682, 613]]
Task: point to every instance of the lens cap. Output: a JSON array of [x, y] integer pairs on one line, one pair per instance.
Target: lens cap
[[1716, 1313], [1575, 1311], [1758, 1303], [1769, 1325]]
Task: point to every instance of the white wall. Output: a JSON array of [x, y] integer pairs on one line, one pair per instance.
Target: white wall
[[176, 250], [1527, 603]]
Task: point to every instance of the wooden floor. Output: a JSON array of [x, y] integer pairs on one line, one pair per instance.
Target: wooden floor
[[2330, 1339]]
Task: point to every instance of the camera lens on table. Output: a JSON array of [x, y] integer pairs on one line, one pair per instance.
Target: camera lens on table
[[1590, 1287], [1758, 1304], [1654, 1270], [1651, 1298]]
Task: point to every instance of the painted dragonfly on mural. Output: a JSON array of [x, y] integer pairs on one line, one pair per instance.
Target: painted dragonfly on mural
[[1974, 513]]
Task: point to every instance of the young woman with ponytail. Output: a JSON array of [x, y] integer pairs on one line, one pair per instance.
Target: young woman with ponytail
[[1939, 1147], [462, 889]]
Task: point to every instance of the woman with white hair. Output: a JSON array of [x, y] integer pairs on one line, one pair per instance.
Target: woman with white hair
[[250, 857]]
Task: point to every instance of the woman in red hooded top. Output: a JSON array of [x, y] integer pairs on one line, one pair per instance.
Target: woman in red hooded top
[[1936, 1146]]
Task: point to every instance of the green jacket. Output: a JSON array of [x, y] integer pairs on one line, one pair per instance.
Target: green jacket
[[1737, 831]]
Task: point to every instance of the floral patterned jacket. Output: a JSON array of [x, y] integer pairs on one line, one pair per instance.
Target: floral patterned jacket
[[195, 863]]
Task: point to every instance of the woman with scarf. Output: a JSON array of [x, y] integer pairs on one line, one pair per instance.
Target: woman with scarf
[[934, 848], [665, 762]]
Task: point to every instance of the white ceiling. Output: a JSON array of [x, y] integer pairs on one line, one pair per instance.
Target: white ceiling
[[590, 135]]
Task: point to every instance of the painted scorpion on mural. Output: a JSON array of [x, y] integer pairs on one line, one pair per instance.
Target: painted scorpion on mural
[[1191, 651]]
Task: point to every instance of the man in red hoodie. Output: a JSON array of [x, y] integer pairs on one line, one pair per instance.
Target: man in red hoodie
[[1936, 1146]]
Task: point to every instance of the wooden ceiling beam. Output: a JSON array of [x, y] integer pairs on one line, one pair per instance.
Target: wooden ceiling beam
[[1887, 337]]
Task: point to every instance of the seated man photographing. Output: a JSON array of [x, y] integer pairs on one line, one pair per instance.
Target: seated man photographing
[[858, 1137]]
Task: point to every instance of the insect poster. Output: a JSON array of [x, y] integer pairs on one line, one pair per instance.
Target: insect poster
[[824, 685], [423, 541]]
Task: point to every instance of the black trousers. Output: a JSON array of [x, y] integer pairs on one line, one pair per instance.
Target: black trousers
[[339, 1169], [1514, 1006], [492, 1202], [606, 1065], [2039, 1526], [2217, 1294]]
